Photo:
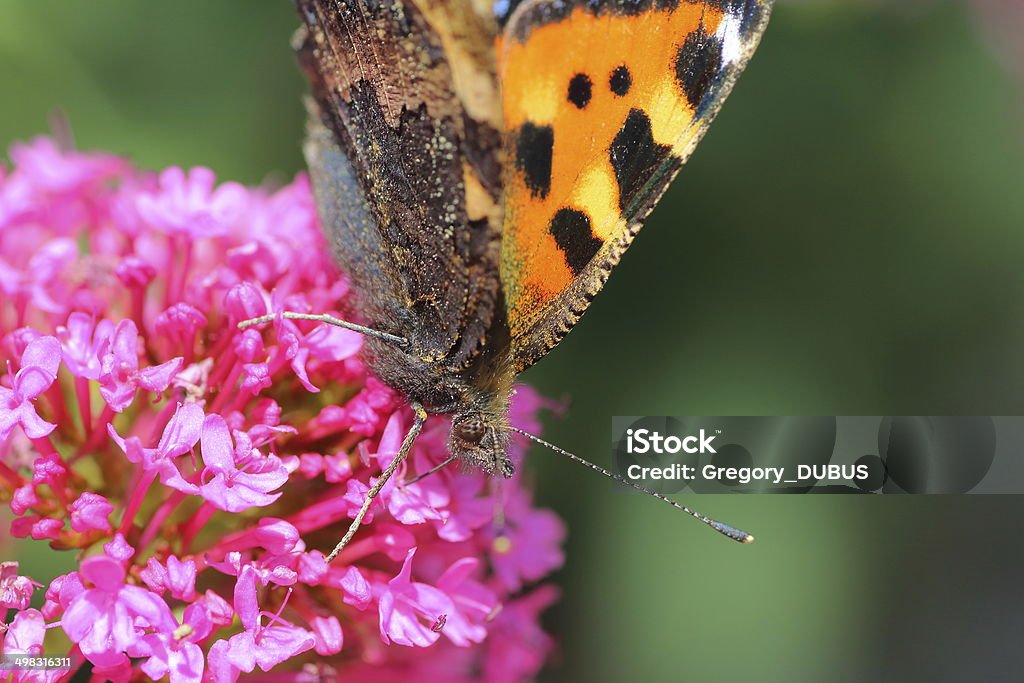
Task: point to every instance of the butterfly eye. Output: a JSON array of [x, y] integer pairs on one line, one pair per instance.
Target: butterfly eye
[[471, 431]]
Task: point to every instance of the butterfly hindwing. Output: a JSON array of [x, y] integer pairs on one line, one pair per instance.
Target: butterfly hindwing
[[603, 102]]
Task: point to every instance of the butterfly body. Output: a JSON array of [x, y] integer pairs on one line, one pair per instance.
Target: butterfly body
[[479, 182], [473, 386]]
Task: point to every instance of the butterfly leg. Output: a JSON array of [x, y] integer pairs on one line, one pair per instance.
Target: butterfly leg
[[328, 319], [403, 452]]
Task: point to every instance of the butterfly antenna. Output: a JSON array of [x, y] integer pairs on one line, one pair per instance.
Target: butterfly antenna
[[435, 468], [724, 529]]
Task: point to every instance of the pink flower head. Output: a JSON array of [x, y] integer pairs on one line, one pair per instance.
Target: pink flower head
[[206, 564], [84, 341], [39, 364], [409, 609], [189, 205], [176, 653], [121, 376], [265, 645], [328, 634], [414, 613], [25, 636], [55, 171], [15, 590], [108, 619], [237, 476], [179, 437], [179, 324], [179, 577], [529, 545], [91, 512], [519, 646]]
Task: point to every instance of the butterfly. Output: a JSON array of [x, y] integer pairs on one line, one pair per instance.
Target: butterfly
[[481, 170]]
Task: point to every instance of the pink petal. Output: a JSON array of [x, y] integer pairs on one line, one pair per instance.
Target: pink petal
[[35, 427], [218, 449], [403, 580], [280, 643], [245, 598], [154, 575], [90, 513], [198, 618], [32, 381], [357, 591], [187, 664], [105, 573], [43, 353], [222, 670], [181, 578], [119, 549], [25, 633], [457, 573], [117, 395], [47, 528], [329, 638], [125, 343], [183, 430], [277, 536], [243, 302], [331, 343], [157, 378], [150, 608], [399, 624], [241, 651], [221, 613]]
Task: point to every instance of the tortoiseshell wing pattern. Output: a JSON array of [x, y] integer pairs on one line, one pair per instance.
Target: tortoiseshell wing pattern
[[603, 102]]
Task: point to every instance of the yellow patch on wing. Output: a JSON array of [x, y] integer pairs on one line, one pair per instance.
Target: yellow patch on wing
[[596, 195], [535, 76]]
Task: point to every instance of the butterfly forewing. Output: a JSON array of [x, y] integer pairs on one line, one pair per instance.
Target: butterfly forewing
[[603, 103]]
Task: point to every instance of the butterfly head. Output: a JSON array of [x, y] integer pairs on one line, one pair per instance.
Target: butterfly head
[[481, 440]]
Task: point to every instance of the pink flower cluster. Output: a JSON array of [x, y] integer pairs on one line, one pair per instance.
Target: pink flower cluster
[[195, 471]]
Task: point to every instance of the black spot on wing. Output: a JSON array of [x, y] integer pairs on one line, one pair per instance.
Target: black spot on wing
[[698, 64], [533, 157], [572, 233], [620, 80], [580, 90], [635, 157]]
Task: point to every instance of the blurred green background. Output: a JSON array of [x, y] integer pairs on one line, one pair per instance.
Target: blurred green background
[[848, 240]]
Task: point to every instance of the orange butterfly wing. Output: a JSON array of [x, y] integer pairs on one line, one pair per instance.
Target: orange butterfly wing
[[603, 103]]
